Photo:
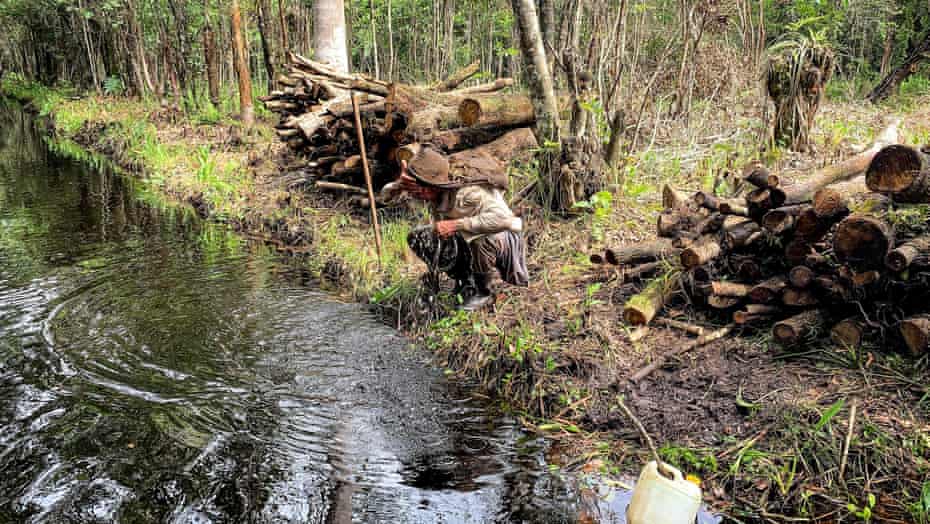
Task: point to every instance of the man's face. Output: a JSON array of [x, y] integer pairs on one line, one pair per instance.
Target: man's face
[[414, 188]]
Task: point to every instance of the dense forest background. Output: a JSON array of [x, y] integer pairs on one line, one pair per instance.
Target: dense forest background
[[640, 52]]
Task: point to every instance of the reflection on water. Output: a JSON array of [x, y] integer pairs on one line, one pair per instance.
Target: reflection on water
[[153, 369]]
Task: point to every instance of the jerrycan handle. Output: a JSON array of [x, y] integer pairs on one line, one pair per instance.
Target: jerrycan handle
[[667, 471]]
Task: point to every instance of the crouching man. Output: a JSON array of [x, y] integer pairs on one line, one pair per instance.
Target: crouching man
[[473, 230]]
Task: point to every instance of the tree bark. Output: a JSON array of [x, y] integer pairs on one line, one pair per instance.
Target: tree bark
[[247, 112], [700, 253], [264, 36], [502, 110], [329, 34], [641, 252], [212, 64], [534, 53]]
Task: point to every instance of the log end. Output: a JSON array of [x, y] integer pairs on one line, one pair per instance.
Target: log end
[[862, 240], [470, 111], [916, 334], [893, 169]]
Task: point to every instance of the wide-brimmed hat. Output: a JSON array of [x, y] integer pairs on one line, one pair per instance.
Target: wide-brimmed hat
[[432, 168]]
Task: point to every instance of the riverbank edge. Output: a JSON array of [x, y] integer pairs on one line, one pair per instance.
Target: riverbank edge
[[511, 357]]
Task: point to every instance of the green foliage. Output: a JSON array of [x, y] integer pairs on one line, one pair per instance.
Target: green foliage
[[865, 512], [599, 205], [113, 86], [688, 459]]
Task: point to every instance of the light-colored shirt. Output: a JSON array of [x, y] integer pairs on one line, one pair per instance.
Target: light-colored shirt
[[482, 211]]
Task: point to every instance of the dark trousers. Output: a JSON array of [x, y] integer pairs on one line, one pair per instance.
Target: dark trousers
[[459, 259]]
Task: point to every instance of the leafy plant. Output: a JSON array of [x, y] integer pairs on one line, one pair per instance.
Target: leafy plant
[[113, 86], [599, 205], [866, 511]]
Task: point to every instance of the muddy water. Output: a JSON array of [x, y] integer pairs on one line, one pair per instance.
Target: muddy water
[[155, 369]]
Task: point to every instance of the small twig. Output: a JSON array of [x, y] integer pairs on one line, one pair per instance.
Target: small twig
[[642, 431], [849, 434], [698, 342], [677, 324]]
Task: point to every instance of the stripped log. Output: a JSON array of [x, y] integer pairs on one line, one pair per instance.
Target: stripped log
[[794, 330], [457, 78], [725, 288], [913, 252], [728, 207], [672, 198]]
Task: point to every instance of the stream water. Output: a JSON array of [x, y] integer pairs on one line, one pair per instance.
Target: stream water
[[154, 368]]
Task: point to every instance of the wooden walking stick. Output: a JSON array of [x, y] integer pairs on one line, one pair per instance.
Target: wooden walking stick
[[365, 169]]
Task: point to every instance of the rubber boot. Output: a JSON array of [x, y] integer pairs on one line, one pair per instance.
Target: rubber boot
[[482, 296]]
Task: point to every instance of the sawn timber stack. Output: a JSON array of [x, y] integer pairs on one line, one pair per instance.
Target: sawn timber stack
[[823, 257]]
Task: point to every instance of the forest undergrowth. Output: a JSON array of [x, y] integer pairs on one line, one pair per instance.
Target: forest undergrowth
[[820, 435]]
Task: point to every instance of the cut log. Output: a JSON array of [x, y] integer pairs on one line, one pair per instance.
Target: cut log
[[794, 330], [672, 198], [755, 313], [795, 297], [725, 288], [903, 172], [742, 235], [832, 290], [640, 309], [849, 168], [797, 250], [830, 203], [781, 220], [732, 208], [913, 252], [760, 177], [701, 253], [916, 334], [639, 272], [495, 109], [849, 333], [669, 223], [746, 267], [706, 200], [801, 276], [768, 292], [641, 252], [863, 241], [596, 258], [455, 140]]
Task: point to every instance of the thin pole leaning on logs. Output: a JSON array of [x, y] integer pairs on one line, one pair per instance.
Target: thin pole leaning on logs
[[367, 171]]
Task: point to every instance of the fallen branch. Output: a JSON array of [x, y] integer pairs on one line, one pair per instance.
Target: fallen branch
[[700, 341]]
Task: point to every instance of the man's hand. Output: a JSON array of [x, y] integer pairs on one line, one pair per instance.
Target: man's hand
[[447, 228]]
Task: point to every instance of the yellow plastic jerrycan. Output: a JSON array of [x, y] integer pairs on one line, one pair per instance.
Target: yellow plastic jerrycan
[[661, 500]]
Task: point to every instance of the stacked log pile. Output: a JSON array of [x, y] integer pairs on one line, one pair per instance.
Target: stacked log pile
[[809, 260], [479, 127]]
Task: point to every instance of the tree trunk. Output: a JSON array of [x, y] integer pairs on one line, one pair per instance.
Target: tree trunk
[[891, 82], [887, 51], [247, 113], [534, 53], [264, 34], [329, 34], [212, 64]]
